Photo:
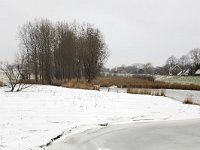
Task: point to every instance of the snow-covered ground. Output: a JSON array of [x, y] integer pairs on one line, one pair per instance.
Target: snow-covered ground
[[32, 117]]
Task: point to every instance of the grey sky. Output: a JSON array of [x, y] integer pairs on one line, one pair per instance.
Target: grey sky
[[135, 30]]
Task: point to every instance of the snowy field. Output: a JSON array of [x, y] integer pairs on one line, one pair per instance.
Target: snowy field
[[31, 118]]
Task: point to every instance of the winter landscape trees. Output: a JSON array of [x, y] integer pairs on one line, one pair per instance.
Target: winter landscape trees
[[61, 50], [64, 51]]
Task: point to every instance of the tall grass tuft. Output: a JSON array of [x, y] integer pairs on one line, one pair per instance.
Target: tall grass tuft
[[188, 100]]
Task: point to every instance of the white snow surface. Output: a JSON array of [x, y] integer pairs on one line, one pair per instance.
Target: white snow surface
[[32, 117]]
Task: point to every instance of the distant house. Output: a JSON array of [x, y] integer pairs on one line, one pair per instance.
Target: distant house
[[184, 72], [175, 70], [197, 73]]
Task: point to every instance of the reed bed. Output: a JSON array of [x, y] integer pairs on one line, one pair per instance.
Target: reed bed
[[137, 81], [153, 92]]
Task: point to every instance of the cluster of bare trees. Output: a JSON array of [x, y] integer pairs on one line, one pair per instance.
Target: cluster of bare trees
[[61, 50]]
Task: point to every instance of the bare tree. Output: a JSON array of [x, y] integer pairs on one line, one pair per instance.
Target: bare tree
[[46, 48], [65, 54], [25, 47], [148, 68], [28, 37], [171, 61], [195, 56], [94, 53], [184, 62]]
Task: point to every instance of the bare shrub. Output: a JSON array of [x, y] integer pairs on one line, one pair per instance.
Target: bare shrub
[[14, 73]]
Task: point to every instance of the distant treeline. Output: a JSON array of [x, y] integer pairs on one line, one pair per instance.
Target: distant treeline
[[60, 50], [186, 65]]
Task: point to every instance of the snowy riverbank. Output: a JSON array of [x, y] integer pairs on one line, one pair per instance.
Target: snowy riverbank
[[32, 117]]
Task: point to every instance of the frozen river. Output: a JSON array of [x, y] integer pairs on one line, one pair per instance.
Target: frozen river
[[167, 135], [181, 95]]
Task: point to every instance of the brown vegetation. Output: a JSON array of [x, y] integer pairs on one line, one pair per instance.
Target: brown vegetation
[[121, 82], [61, 50], [80, 84], [141, 82], [1, 83], [153, 92]]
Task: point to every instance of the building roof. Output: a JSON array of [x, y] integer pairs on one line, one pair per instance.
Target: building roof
[[197, 72]]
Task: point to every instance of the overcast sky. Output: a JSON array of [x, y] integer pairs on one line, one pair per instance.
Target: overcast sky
[[136, 31]]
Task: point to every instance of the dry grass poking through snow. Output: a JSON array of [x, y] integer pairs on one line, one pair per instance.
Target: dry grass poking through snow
[[154, 92], [82, 84]]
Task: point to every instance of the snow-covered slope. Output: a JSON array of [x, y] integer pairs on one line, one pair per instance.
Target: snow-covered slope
[[32, 117]]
